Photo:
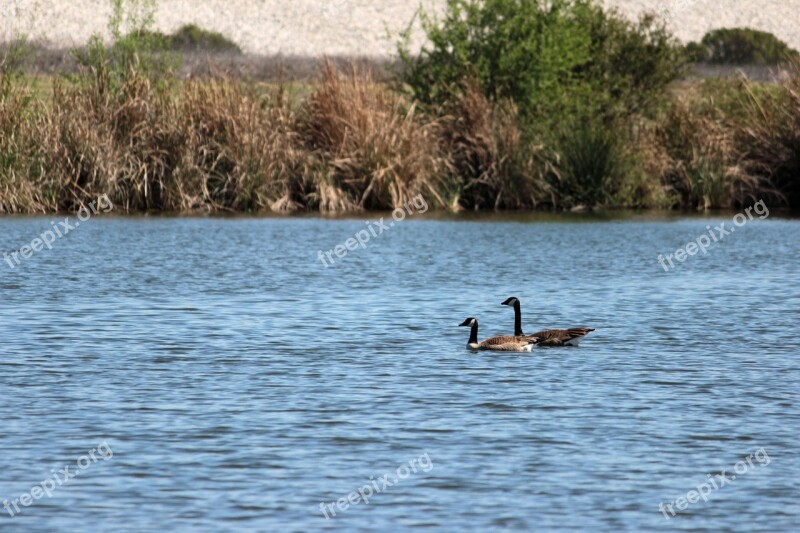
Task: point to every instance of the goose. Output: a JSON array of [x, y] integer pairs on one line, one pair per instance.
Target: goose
[[497, 344], [548, 337]]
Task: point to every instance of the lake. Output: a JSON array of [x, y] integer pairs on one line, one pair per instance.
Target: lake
[[225, 374]]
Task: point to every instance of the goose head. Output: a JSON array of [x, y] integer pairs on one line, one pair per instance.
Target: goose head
[[511, 301], [468, 323]]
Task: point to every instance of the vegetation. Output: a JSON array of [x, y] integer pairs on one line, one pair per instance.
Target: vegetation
[[190, 38], [547, 56], [741, 46], [479, 123]]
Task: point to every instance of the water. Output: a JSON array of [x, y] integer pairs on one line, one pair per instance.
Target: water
[[236, 383]]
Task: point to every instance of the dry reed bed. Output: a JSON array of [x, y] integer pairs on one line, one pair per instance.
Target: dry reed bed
[[356, 144]]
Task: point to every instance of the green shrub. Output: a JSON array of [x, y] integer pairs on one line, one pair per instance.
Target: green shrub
[[741, 46], [137, 52], [191, 38], [523, 50], [592, 162], [550, 57], [630, 63], [13, 55], [576, 73], [696, 52]]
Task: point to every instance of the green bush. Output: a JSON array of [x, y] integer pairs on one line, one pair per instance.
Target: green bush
[[741, 46], [137, 52], [578, 74], [522, 50], [550, 57], [696, 53], [630, 63], [191, 38]]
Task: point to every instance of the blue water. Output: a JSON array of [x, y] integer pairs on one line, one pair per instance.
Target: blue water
[[234, 383]]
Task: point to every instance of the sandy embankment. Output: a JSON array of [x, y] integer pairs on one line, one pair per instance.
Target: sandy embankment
[[352, 27]]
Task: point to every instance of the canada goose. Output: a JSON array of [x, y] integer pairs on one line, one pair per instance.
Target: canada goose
[[549, 337], [497, 344]]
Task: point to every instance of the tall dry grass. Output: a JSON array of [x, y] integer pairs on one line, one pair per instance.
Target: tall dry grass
[[492, 163], [769, 138], [242, 149], [18, 194], [214, 145], [370, 148], [698, 155], [354, 143]]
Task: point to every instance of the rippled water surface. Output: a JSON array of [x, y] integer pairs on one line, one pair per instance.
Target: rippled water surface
[[232, 382]]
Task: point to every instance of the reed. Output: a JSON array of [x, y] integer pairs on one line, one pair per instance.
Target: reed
[[356, 144], [18, 194], [699, 154], [214, 145], [493, 164], [769, 137], [371, 149]]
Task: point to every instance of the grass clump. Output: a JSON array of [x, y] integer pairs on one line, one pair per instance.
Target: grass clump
[[728, 144], [769, 137], [372, 148], [212, 145], [592, 163], [18, 143], [492, 165]]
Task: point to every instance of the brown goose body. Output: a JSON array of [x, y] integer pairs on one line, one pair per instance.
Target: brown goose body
[[523, 343], [548, 337], [562, 337]]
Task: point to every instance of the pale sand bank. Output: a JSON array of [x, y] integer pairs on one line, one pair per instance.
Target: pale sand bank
[[352, 27]]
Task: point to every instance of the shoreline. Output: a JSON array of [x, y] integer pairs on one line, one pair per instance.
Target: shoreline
[[591, 215]]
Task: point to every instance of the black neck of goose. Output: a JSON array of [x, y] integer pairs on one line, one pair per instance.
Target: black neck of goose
[[517, 320], [473, 334]]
